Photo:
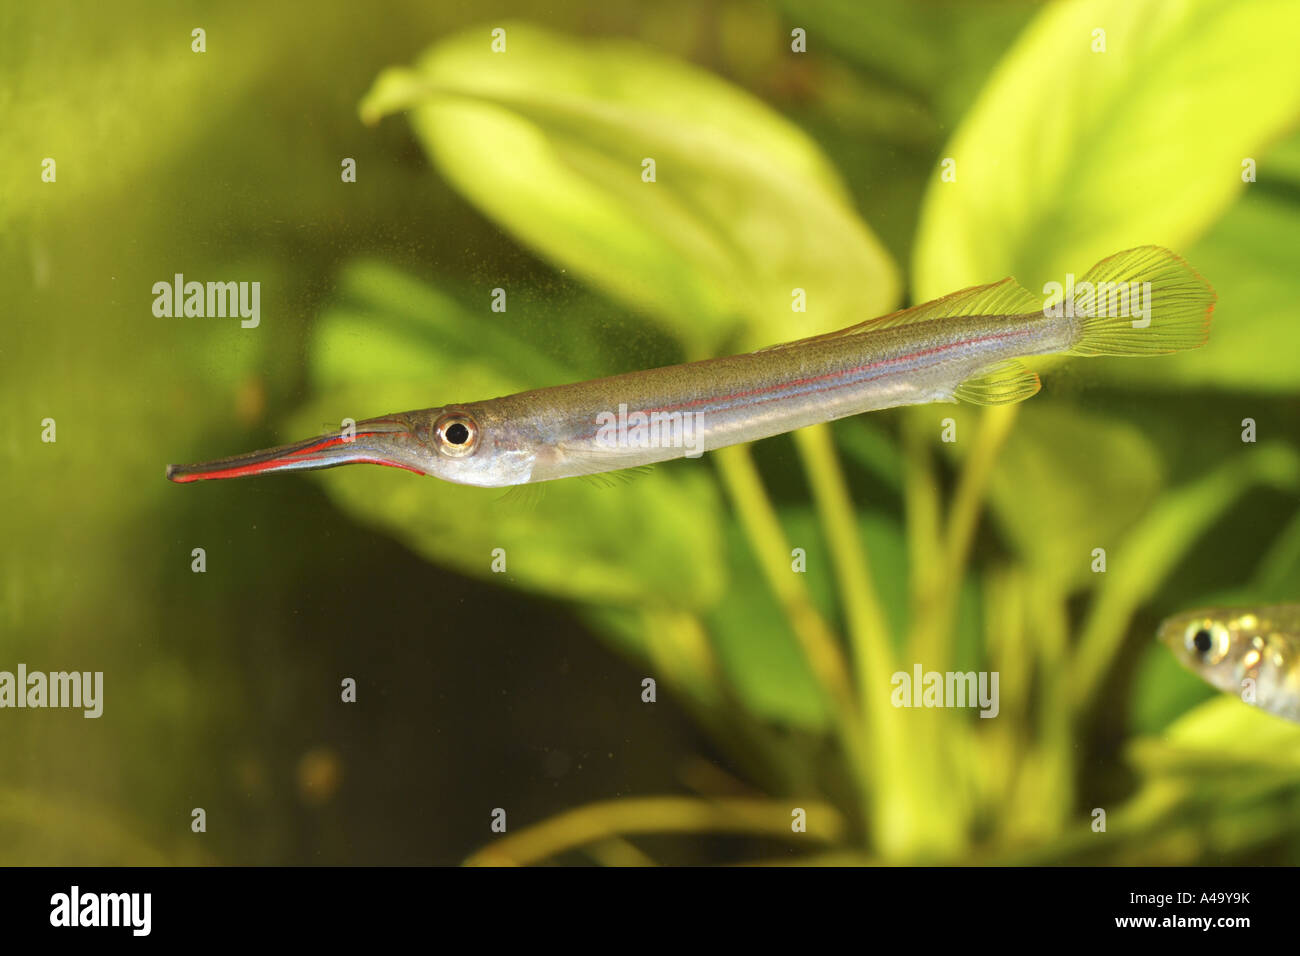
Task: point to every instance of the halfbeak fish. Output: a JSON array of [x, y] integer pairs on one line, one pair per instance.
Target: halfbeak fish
[[963, 347], [1251, 652]]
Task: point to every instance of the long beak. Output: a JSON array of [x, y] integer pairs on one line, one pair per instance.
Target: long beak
[[375, 443]]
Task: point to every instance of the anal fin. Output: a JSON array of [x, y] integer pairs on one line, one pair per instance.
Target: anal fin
[[1004, 384], [608, 479]]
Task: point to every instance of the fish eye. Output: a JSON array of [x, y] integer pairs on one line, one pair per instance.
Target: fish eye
[[1209, 642], [456, 434]]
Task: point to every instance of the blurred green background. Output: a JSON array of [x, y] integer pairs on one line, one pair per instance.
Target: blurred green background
[[521, 170]]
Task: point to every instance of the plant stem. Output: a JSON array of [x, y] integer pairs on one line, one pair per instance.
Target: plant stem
[[921, 504], [897, 829], [614, 818], [868, 629], [945, 776], [933, 640], [759, 520]]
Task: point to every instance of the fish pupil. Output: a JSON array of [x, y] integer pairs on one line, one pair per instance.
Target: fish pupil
[[457, 433], [1201, 641]]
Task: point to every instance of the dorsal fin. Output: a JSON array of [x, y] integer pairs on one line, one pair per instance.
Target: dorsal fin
[[1007, 297]]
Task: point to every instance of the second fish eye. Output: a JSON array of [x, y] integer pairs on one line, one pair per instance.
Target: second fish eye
[[1208, 641], [456, 434]]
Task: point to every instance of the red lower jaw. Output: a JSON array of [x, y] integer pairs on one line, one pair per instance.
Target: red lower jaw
[[328, 451]]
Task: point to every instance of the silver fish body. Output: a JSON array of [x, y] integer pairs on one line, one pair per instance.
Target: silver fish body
[[688, 409], [964, 347]]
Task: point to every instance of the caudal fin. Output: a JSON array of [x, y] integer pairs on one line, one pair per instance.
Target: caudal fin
[[1143, 301]]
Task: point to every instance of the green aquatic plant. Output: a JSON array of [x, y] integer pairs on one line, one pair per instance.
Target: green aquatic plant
[[985, 556], [772, 590]]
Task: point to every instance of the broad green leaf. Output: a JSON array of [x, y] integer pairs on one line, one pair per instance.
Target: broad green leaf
[[755, 647], [1070, 155], [1225, 735], [1163, 690], [1279, 568], [1249, 257], [940, 49], [549, 138], [892, 78], [761, 657], [866, 443], [1280, 167], [1068, 482], [392, 347]]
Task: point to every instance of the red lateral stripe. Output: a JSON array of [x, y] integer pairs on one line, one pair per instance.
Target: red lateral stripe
[[827, 377], [840, 373]]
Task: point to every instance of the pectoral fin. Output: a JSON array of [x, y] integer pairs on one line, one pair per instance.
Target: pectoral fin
[[1004, 384]]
